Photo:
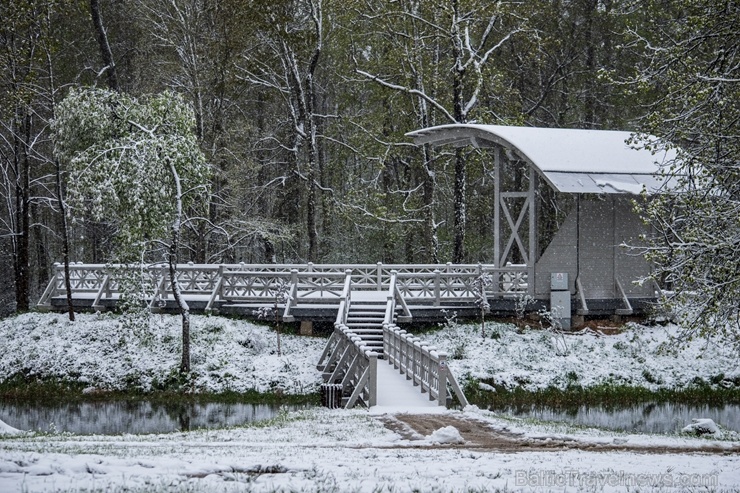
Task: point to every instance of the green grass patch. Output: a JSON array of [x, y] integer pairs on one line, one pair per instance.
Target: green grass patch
[[606, 395], [22, 390]]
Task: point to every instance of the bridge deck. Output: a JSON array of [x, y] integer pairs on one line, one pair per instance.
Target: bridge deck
[[397, 394]]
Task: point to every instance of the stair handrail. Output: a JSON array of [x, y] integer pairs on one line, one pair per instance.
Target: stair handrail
[[423, 364], [347, 361], [390, 306], [345, 300]]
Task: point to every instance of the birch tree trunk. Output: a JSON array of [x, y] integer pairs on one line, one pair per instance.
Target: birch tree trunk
[[182, 305]]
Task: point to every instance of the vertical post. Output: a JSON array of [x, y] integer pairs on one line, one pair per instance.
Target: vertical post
[[416, 362], [442, 380], [379, 276], [164, 296], [497, 207], [532, 230], [437, 295], [294, 287], [372, 379]]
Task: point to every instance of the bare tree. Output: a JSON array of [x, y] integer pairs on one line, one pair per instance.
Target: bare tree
[[293, 38], [465, 35], [694, 69]]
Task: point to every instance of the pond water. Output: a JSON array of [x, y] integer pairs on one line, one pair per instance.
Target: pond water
[[649, 417], [117, 417]]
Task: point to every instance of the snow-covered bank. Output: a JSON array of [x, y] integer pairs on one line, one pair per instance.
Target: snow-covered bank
[[336, 451], [535, 359], [104, 352]]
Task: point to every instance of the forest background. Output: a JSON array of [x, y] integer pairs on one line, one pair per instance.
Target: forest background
[[301, 106]]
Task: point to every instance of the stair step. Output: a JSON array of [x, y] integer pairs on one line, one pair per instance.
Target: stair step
[[368, 338], [367, 320]]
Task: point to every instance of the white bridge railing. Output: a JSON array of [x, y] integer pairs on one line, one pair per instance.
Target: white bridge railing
[[422, 364], [350, 368], [350, 365], [289, 285]]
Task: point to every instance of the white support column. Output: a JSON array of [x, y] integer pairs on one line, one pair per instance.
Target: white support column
[[497, 207], [533, 249]]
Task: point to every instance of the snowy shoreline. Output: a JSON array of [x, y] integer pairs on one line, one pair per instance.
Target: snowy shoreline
[[110, 353]]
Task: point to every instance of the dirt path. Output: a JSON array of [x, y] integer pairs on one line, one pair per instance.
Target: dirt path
[[481, 435]]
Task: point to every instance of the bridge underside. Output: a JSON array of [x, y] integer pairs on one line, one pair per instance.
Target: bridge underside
[[325, 312]]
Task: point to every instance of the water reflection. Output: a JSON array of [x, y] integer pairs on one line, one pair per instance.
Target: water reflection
[[116, 417], [651, 417]]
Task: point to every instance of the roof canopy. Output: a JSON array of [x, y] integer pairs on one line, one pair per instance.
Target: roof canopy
[[572, 161]]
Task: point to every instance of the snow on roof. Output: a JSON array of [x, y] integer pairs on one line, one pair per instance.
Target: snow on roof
[[571, 160]]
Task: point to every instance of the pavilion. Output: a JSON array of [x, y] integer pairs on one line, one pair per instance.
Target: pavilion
[[593, 257]]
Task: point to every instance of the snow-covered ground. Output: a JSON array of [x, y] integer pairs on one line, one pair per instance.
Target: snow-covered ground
[[106, 353], [323, 450], [535, 359], [336, 451]]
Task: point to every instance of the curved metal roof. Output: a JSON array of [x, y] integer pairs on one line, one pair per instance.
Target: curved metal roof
[[572, 161]]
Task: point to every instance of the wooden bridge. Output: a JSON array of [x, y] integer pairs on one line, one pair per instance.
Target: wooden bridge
[[297, 291], [365, 302], [368, 352]]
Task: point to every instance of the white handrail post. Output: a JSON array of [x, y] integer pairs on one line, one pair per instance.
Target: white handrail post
[[294, 288], [442, 379], [390, 302], [372, 378], [379, 276], [345, 299], [418, 362], [437, 292]]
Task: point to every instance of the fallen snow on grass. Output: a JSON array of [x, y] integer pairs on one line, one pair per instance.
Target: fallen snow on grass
[[335, 451], [105, 352], [535, 359], [6, 429]]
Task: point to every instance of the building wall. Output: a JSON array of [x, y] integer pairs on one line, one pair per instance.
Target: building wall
[[593, 249]]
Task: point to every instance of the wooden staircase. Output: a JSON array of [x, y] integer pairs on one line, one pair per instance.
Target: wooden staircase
[[365, 318]]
